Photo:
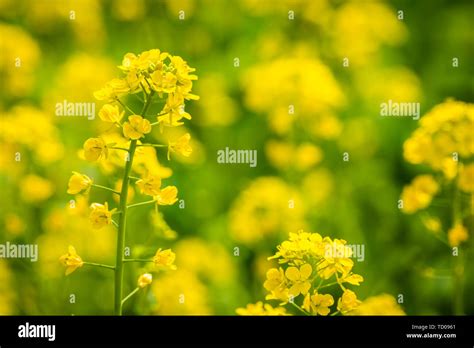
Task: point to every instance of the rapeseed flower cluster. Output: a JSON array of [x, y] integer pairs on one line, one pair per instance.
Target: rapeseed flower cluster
[[157, 76], [444, 142], [313, 275]]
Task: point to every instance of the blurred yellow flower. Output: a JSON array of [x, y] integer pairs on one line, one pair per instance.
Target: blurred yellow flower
[[136, 127], [165, 258], [348, 302], [466, 178], [419, 193], [78, 182], [100, 215], [318, 303], [457, 234], [94, 149], [260, 308], [443, 137], [14, 224], [20, 57], [144, 280], [268, 206], [110, 113], [34, 189], [181, 146], [432, 224], [71, 260], [181, 293], [167, 196], [383, 304], [150, 185]]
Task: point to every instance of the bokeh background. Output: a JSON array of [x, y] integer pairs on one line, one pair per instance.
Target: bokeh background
[[252, 62]]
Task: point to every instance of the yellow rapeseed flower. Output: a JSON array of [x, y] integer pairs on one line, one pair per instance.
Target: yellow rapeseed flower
[[165, 258], [276, 284], [100, 215], [78, 183], [110, 113], [167, 196], [336, 259], [94, 149], [71, 260], [144, 280], [348, 302], [150, 185], [181, 146], [299, 279], [318, 303], [136, 127]]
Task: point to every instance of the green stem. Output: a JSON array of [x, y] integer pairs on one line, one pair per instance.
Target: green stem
[[326, 285], [126, 107], [299, 308], [130, 295], [137, 260], [98, 265], [106, 188], [121, 233], [141, 203], [458, 270], [118, 286]]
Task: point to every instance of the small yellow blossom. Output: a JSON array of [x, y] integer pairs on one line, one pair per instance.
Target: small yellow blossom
[[299, 279], [167, 196], [181, 146], [100, 215], [150, 185], [336, 259], [318, 303], [144, 280], [173, 111], [457, 235], [165, 258], [136, 127], [260, 308], [348, 302], [71, 260], [78, 183], [351, 278], [110, 113], [94, 149], [276, 285]]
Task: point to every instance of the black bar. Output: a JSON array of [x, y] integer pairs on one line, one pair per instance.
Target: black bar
[[154, 330]]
